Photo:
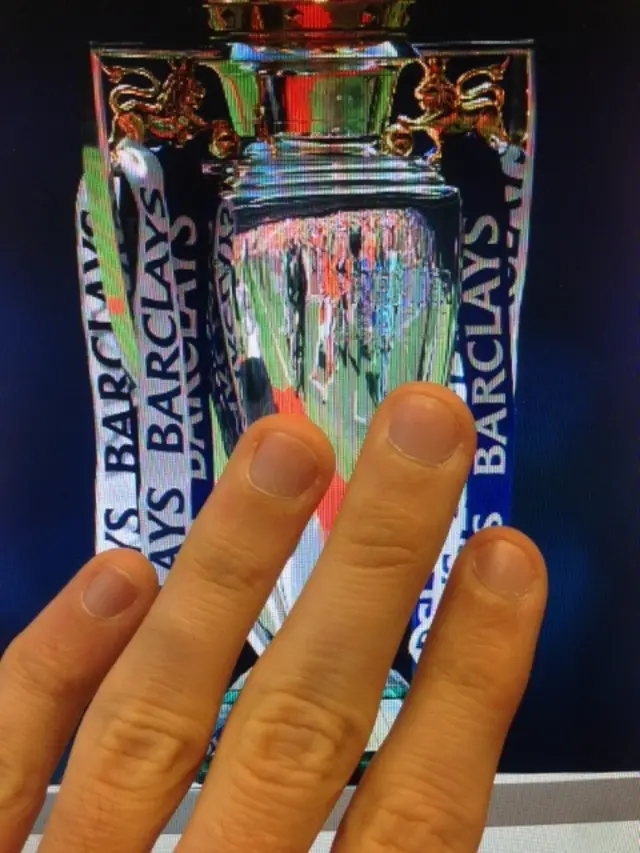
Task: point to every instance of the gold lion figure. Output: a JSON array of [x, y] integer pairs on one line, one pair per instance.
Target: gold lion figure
[[164, 110], [474, 103]]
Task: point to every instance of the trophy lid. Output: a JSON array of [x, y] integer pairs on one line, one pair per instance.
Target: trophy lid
[[336, 19]]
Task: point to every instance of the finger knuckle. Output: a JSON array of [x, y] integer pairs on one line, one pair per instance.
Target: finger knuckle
[[40, 668], [407, 823], [389, 537], [471, 676], [143, 746], [484, 681], [20, 791], [239, 566], [292, 745]]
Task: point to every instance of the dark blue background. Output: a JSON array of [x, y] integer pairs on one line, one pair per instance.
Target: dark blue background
[[576, 490]]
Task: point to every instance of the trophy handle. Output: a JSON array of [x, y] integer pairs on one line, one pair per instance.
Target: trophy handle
[[471, 102]]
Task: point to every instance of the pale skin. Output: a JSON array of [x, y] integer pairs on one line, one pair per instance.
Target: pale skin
[[153, 666]]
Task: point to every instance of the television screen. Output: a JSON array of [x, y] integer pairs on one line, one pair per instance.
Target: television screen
[[488, 244]]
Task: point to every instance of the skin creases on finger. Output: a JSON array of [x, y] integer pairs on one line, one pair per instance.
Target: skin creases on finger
[[304, 717], [50, 672], [145, 735], [430, 785]]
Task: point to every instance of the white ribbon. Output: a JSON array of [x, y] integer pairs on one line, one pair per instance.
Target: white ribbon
[[164, 423], [115, 415], [185, 272], [518, 167]]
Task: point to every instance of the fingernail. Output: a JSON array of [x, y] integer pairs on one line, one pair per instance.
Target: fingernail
[[109, 594], [424, 429], [283, 467], [504, 568]]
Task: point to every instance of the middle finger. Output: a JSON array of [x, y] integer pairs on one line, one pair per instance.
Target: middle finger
[[303, 719]]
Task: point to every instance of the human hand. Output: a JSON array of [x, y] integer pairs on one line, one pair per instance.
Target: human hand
[[154, 669]]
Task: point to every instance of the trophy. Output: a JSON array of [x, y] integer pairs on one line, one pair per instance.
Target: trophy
[[298, 217]]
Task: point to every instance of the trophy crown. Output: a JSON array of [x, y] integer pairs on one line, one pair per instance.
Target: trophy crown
[[260, 18]]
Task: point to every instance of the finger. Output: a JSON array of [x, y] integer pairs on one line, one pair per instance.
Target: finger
[[145, 735], [303, 719], [429, 786], [50, 672]]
